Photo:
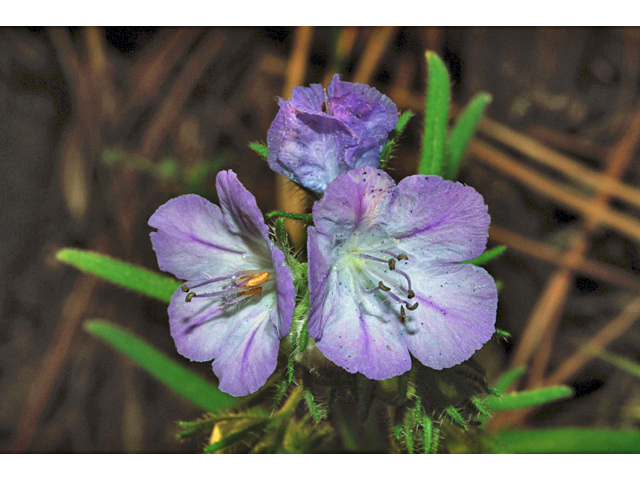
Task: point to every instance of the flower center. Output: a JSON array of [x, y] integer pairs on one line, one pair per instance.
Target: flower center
[[230, 289], [380, 269]]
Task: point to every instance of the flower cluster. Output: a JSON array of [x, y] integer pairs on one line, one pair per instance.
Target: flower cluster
[[385, 276]]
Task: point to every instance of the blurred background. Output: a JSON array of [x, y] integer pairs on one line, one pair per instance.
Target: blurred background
[[103, 125]]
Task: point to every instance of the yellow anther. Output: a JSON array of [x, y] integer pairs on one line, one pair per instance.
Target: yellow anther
[[392, 264], [184, 288], [383, 287], [402, 256], [413, 307], [255, 279], [189, 296], [253, 291]]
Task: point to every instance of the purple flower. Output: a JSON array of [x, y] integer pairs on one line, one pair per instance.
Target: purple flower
[[317, 135], [384, 275], [238, 300]]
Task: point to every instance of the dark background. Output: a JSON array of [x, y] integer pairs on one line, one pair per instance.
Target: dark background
[[101, 126]]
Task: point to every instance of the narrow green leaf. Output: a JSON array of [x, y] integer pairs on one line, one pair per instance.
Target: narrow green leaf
[[316, 411], [403, 120], [487, 255], [260, 149], [569, 440], [502, 333], [427, 433], [129, 276], [179, 379], [434, 139], [509, 377], [454, 414], [462, 133], [528, 398]]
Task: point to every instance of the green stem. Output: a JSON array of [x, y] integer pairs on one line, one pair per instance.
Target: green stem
[[294, 216]]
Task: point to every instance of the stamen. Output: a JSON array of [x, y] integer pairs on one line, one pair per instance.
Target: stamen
[[383, 287], [253, 291], [369, 257], [413, 307], [405, 276], [206, 282], [392, 264], [410, 294], [189, 296], [402, 256], [403, 315], [185, 288], [252, 279]]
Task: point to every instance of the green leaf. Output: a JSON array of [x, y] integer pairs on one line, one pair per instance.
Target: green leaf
[[434, 139], [462, 133], [528, 398], [502, 333], [487, 255], [260, 149], [569, 440], [121, 273], [179, 379], [509, 377], [403, 120]]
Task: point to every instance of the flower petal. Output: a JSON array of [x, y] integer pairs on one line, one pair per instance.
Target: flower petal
[[456, 313], [308, 148], [242, 340], [286, 292], [192, 238], [240, 210], [355, 201], [308, 99], [438, 219], [242, 215], [353, 331], [364, 109]]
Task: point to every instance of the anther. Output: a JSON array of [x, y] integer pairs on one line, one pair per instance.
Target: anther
[[252, 279], [402, 256], [189, 296], [403, 315], [185, 288], [392, 264], [413, 307], [258, 279], [253, 291], [383, 287], [410, 294]]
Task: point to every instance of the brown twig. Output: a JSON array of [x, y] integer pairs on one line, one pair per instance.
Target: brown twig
[[54, 359], [159, 59], [602, 339], [378, 43], [549, 253], [624, 224], [172, 105]]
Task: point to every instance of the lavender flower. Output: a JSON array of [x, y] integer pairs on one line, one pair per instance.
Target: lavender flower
[[317, 135], [238, 301], [384, 275]]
